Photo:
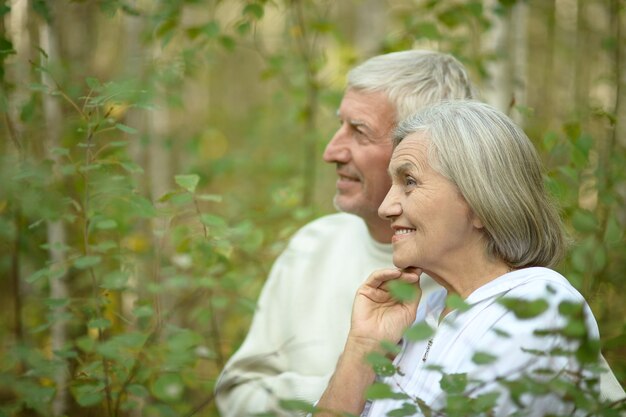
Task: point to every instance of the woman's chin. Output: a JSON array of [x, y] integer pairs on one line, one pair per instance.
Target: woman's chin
[[403, 263]]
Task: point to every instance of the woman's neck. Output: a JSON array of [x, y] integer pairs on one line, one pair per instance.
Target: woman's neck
[[466, 276]]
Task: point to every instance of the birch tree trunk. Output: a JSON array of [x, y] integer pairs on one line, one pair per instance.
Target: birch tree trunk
[[57, 237], [520, 58], [371, 25], [19, 36], [540, 74], [159, 173], [497, 43]]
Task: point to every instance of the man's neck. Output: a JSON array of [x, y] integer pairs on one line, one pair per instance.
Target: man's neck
[[380, 230]]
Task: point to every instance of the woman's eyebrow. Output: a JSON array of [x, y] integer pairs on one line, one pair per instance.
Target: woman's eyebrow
[[401, 169]]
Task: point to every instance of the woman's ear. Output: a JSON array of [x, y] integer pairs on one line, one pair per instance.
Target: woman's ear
[[476, 222]]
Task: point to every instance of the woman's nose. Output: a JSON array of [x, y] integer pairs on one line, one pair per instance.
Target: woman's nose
[[390, 207]]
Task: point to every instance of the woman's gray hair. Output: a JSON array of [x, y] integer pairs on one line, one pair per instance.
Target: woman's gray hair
[[498, 171], [413, 79]]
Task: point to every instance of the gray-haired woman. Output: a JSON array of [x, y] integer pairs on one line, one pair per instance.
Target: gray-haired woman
[[468, 208]]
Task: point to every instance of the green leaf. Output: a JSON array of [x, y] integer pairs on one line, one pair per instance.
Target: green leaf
[[188, 182], [227, 42], [57, 302], [253, 10], [418, 332], [104, 246], [297, 405], [100, 323], [381, 364], [502, 333], [169, 195], [60, 151], [89, 261], [405, 411], [126, 129], [574, 329], [613, 233], [485, 402], [115, 280], [455, 302], [389, 347], [427, 30], [212, 220], [168, 387], [524, 309], [88, 395], [454, 383], [143, 311], [572, 130], [402, 291], [106, 224], [584, 143], [599, 259], [86, 344], [93, 83], [183, 340], [379, 391], [483, 358], [211, 29], [144, 207], [42, 273], [584, 221], [138, 390], [131, 167]]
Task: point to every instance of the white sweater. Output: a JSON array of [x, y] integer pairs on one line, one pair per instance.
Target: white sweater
[[303, 316], [462, 334]]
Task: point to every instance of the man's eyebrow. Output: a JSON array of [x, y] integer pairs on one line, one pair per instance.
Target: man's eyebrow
[[355, 122]]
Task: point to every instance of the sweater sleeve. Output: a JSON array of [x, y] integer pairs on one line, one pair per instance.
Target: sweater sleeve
[[259, 373], [610, 388]]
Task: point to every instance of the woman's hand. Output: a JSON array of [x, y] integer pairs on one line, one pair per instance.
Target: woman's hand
[[376, 315]]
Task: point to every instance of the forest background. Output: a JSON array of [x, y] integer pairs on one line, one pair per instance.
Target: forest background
[[158, 154]]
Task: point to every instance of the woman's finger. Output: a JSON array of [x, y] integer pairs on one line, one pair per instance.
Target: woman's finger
[[379, 277]]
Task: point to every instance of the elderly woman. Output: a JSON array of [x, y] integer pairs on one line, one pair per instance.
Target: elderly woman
[[469, 208]]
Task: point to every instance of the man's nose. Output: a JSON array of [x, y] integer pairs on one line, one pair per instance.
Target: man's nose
[[338, 149]]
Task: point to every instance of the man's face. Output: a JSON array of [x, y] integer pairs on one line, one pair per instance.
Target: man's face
[[361, 149]]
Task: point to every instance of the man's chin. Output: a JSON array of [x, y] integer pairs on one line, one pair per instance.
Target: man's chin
[[343, 204]]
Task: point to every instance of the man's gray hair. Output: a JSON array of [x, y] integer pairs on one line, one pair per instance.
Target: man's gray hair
[[413, 79], [498, 171]]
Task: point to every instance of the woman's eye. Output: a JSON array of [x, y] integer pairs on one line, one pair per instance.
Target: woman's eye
[[409, 181]]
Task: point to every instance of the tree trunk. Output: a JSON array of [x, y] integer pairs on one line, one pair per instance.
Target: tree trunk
[[57, 237], [541, 48], [497, 43], [520, 59], [19, 36]]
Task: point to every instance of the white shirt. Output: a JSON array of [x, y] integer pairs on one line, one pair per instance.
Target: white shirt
[[462, 334], [303, 316]]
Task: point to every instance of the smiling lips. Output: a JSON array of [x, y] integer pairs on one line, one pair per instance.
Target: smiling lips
[[346, 181], [401, 233]]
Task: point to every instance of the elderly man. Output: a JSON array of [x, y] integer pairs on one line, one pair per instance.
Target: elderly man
[[303, 314]]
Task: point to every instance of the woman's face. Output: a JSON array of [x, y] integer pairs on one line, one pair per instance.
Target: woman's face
[[434, 226]]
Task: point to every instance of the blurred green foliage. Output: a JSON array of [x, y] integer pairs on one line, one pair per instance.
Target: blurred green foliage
[[150, 284]]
